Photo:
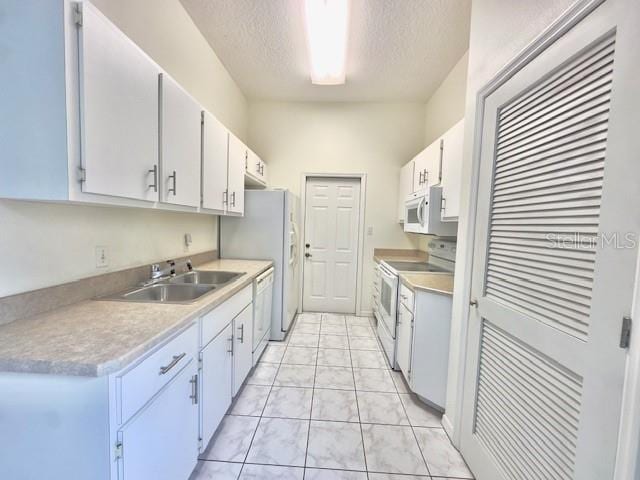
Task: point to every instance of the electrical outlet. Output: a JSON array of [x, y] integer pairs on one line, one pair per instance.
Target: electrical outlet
[[102, 257]]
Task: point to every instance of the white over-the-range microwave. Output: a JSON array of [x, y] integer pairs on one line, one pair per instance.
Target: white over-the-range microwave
[[422, 214]]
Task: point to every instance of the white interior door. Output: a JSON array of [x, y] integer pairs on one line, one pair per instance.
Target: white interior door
[[544, 372], [332, 216], [119, 111]]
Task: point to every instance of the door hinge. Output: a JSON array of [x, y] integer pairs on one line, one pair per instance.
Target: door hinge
[[82, 174], [625, 333], [117, 450], [77, 14]]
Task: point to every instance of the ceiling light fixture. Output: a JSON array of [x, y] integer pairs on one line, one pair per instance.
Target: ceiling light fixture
[[327, 23]]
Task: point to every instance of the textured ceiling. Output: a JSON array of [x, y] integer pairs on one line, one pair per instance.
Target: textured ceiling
[[399, 50]]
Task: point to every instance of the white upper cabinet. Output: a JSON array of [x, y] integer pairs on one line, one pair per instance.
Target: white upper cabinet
[[255, 170], [119, 112], [451, 171], [405, 188], [238, 156], [180, 132], [215, 144], [427, 167]]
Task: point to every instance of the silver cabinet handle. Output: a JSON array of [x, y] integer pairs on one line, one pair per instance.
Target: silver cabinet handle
[[194, 389], [174, 362], [426, 176], [225, 197], [233, 199], [419, 178], [230, 340], [173, 176], [443, 204], [154, 185], [241, 328]]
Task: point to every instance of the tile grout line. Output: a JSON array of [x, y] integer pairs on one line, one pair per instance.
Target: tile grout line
[[424, 459], [313, 390], [353, 373], [262, 411]]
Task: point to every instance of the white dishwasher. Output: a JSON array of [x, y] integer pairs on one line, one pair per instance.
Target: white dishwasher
[[263, 302]]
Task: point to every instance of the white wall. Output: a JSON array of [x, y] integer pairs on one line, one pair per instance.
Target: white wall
[[500, 29], [445, 108], [44, 244], [371, 138]]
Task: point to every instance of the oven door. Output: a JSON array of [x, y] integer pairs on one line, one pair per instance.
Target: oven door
[[388, 299], [414, 215]]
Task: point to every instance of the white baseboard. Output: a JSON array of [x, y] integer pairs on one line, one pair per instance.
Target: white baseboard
[[448, 427], [366, 313]]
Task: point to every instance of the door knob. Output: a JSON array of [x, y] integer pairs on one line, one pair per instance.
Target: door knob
[[474, 303], [307, 255], [307, 245]]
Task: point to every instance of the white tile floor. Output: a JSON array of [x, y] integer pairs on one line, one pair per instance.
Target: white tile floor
[[324, 405]]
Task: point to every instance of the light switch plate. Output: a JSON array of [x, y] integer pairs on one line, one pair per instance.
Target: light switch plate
[[102, 257]]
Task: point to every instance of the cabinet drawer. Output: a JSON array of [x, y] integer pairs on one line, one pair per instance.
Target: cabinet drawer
[[406, 297], [136, 386], [218, 318]]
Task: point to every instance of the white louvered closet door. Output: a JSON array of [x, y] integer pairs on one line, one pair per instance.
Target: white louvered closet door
[[559, 172]]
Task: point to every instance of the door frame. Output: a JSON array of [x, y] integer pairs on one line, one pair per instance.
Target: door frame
[[362, 177], [629, 429]]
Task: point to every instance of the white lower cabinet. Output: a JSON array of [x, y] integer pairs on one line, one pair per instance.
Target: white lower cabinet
[[148, 420], [161, 441], [423, 343], [216, 383], [242, 347]]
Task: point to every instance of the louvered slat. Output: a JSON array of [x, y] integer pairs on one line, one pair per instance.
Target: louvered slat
[[549, 167], [528, 408]]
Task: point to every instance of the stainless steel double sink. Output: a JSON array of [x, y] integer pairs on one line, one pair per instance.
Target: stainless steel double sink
[[185, 288]]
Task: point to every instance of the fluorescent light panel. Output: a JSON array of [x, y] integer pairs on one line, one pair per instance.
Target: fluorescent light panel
[[327, 23]]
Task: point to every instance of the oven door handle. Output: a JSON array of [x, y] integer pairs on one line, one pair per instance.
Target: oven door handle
[[388, 274]]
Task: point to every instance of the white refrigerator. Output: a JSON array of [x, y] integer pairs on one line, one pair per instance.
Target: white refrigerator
[[268, 231]]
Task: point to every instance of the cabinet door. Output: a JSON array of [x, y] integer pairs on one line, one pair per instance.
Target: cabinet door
[[216, 380], [427, 167], [404, 339], [180, 133], [254, 164], [161, 442], [451, 171], [405, 188], [119, 111], [215, 145], [242, 346], [238, 158]]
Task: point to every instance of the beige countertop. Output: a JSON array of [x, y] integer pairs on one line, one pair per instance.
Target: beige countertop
[[429, 282], [398, 255], [95, 338]]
